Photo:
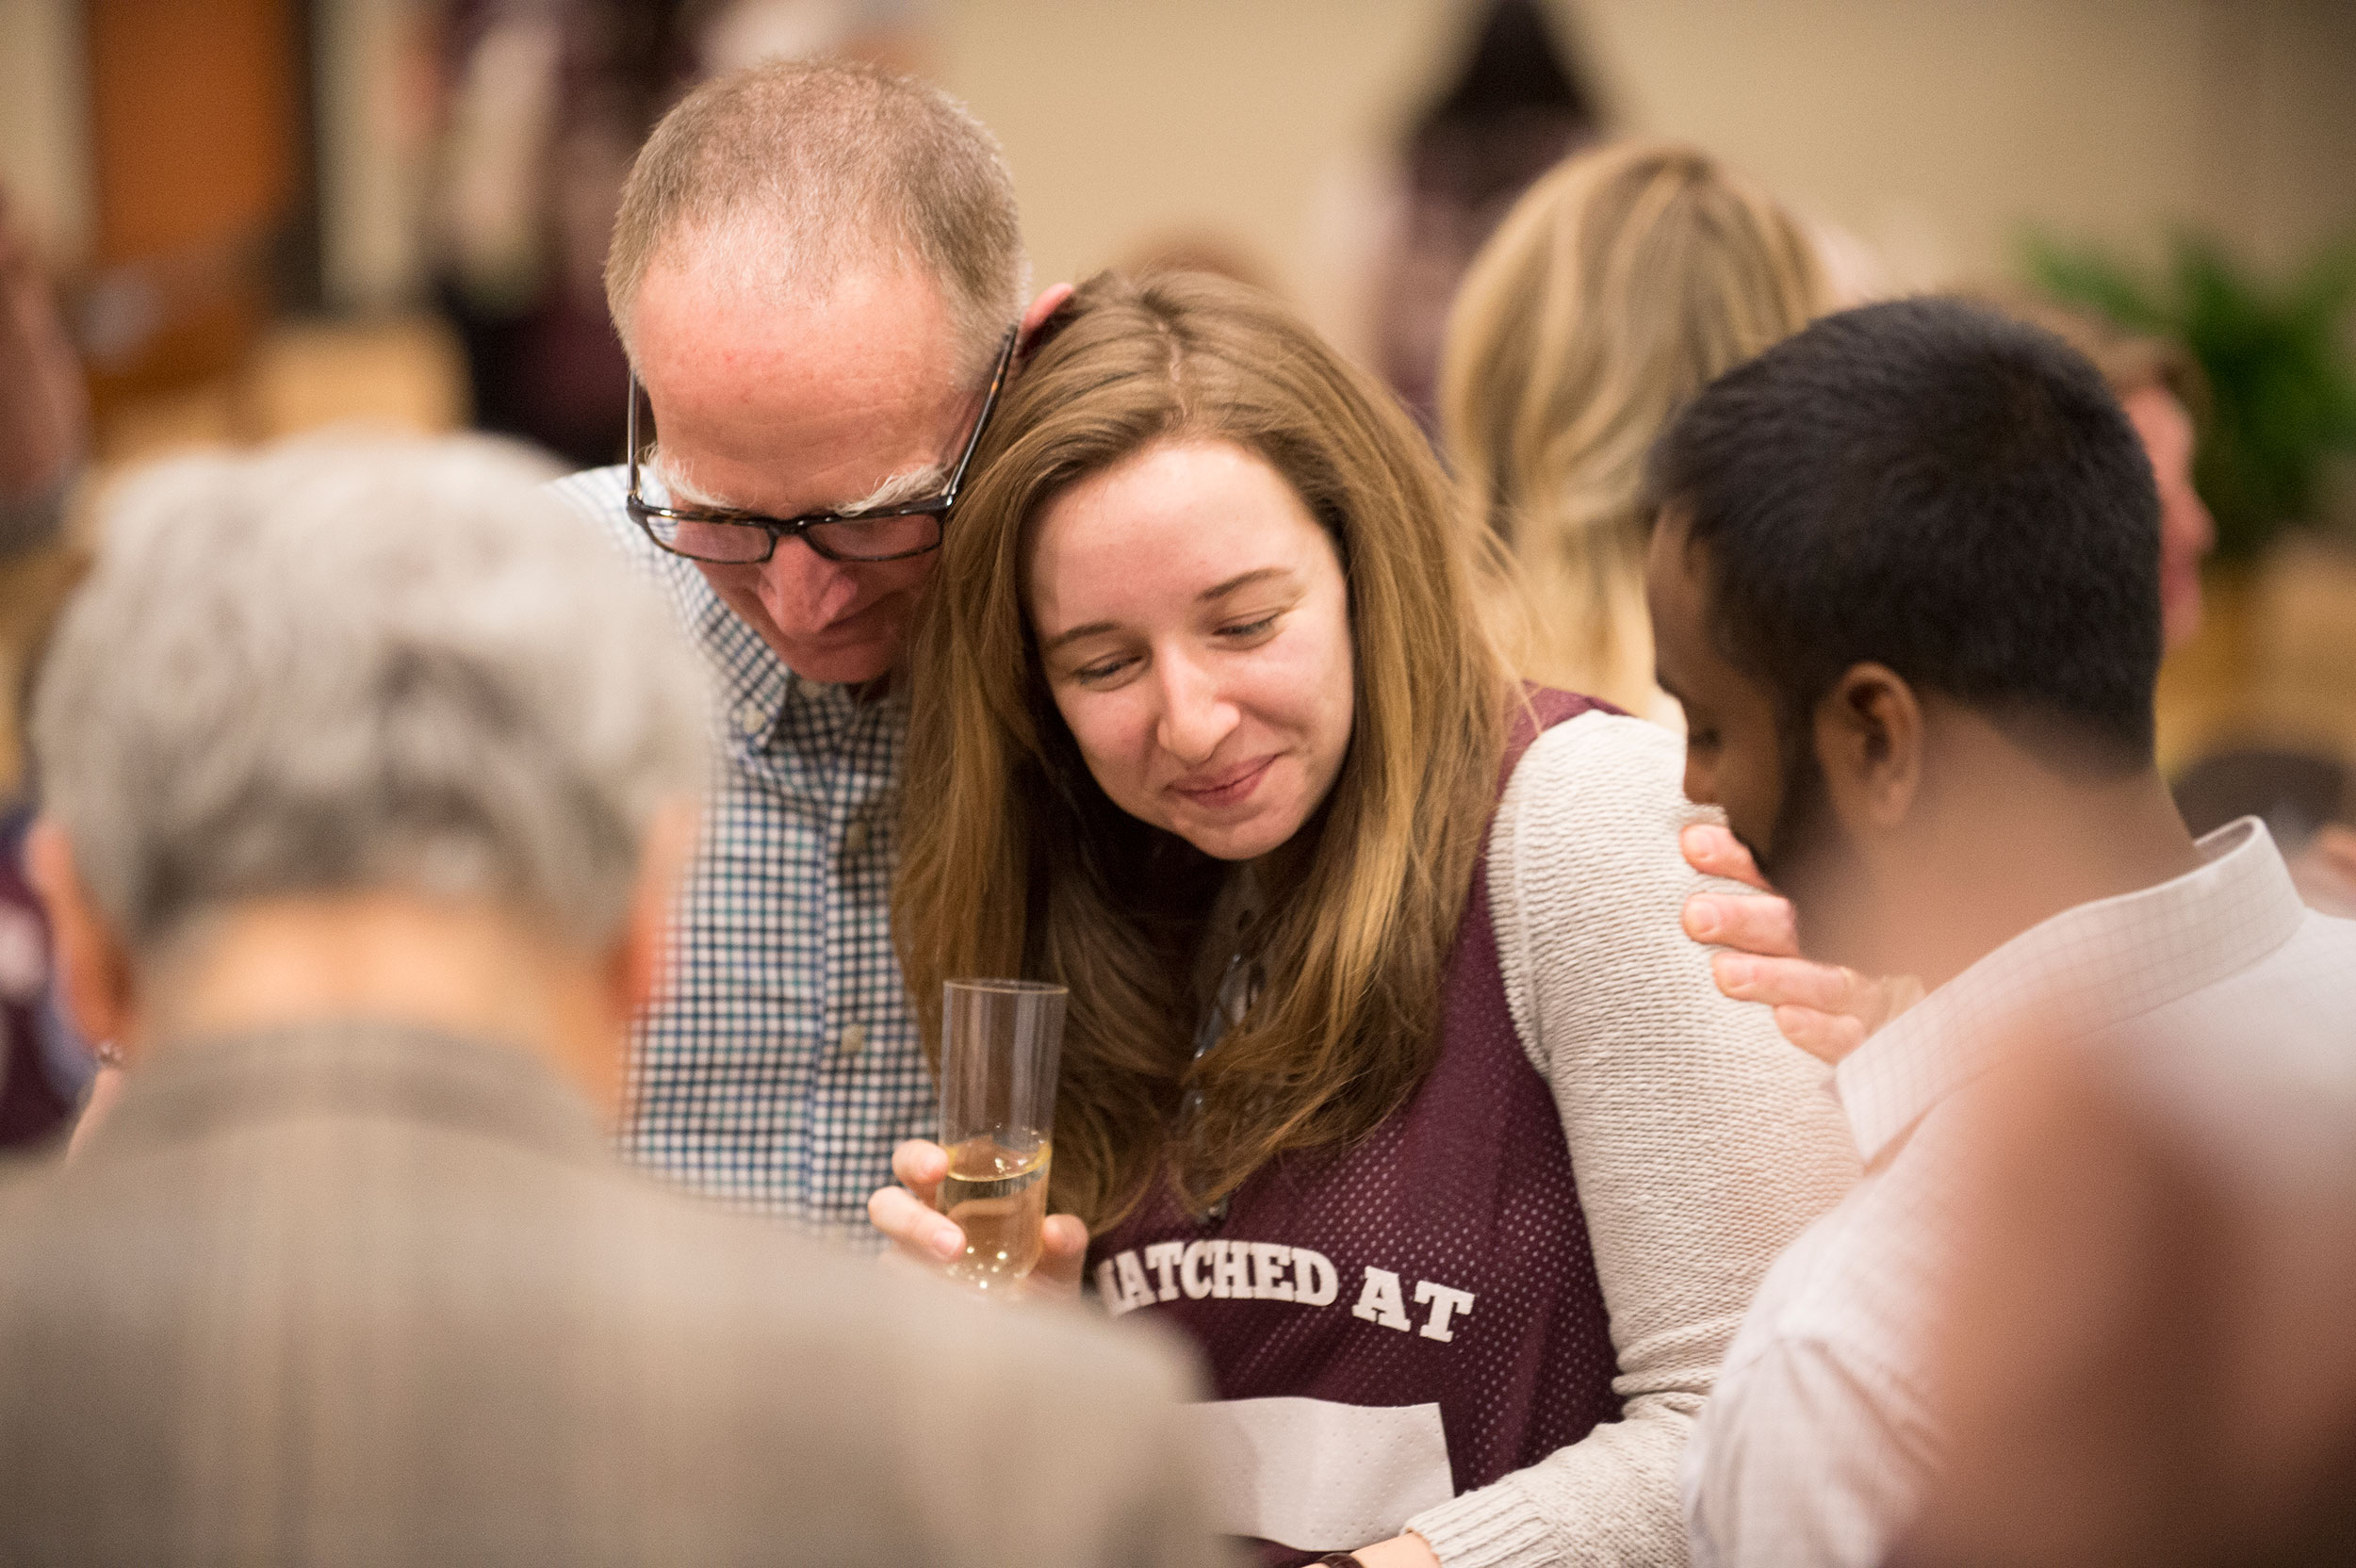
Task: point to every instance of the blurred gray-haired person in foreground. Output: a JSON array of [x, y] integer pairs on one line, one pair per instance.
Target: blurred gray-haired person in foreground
[[364, 785]]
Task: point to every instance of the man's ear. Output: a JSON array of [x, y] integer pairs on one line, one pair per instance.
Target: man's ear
[[1050, 301], [636, 967], [94, 973], [1869, 741]]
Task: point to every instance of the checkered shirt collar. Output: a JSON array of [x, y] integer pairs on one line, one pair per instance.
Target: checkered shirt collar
[[2098, 965], [753, 679]]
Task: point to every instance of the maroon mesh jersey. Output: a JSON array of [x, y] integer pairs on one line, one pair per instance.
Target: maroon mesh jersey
[[1443, 1259]]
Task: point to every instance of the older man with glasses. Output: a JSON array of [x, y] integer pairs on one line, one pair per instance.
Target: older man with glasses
[[818, 271]]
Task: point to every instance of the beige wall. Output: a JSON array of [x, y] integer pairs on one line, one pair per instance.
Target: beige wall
[[1942, 128], [1255, 117], [1934, 129]]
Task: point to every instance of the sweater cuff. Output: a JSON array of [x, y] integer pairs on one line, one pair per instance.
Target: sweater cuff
[[1497, 1526]]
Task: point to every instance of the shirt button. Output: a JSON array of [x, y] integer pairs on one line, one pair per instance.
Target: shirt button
[[854, 1039], [749, 720], [855, 838]]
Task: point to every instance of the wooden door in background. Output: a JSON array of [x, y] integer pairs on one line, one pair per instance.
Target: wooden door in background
[[197, 114]]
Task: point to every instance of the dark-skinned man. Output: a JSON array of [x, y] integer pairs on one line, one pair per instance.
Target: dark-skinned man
[[1904, 582]]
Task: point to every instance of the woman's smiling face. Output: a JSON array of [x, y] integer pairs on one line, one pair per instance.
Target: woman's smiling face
[[1195, 628]]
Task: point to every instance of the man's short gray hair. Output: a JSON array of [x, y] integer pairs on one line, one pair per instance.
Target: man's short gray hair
[[798, 172], [339, 667]]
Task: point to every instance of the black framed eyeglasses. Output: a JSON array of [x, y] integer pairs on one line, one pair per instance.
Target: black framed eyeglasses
[[748, 538]]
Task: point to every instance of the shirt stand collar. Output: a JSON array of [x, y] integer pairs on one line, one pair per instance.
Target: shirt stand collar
[[2088, 968]]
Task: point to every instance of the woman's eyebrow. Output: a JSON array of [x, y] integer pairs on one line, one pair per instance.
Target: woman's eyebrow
[[1093, 630], [1242, 580]]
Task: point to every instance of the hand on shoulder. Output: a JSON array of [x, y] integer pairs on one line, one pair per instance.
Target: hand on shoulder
[[1825, 1009]]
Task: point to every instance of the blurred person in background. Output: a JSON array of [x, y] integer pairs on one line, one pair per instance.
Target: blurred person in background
[[1515, 104], [1387, 1075], [2160, 385], [2146, 1360], [1906, 582], [45, 439], [367, 784], [2159, 388], [1615, 289], [818, 271], [541, 104], [45, 406]]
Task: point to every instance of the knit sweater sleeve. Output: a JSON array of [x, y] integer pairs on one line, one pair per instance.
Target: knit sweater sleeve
[[1700, 1141]]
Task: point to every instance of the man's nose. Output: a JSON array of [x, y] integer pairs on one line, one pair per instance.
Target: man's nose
[[802, 591], [1196, 715]]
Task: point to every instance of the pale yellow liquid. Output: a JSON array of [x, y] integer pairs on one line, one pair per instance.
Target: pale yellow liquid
[[998, 1197]]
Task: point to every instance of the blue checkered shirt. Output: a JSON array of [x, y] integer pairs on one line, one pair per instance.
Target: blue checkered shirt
[[782, 1064]]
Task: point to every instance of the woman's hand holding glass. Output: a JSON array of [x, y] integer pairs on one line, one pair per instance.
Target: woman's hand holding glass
[[922, 1233], [974, 1206]]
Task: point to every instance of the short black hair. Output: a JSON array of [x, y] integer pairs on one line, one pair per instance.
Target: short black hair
[[1929, 485]]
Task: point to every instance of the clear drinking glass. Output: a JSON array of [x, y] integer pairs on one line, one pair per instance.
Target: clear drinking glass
[[999, 1043]]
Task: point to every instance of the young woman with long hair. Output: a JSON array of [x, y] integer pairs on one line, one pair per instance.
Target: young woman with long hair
[[1619, 285], [1387, 1073]]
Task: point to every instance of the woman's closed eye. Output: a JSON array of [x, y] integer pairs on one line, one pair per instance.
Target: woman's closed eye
[[1249, 631], [1112, 667]]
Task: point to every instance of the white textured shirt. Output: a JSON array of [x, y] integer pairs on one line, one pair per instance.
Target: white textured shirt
[[1819, 1439]]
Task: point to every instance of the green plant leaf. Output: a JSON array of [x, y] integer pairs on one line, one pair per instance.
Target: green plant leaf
[[2276, 356]]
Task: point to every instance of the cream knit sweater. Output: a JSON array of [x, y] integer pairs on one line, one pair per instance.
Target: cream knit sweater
[[1702, 1143]]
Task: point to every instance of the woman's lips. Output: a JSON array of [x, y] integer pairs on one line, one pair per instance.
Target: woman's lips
[[1225, 789]]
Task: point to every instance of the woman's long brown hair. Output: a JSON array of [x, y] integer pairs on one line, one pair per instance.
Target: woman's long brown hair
[[1013, 860]]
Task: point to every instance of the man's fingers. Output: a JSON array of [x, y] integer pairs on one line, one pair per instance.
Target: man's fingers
[[1823, 1010], [1826, 1037], [1715, 851], [914, 1225], [1749, 923], [1791, 983]]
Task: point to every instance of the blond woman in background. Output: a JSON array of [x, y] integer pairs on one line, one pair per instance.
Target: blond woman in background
[[1620, 285]]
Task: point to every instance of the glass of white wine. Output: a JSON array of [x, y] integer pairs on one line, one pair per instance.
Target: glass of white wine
[[999, 1044]]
